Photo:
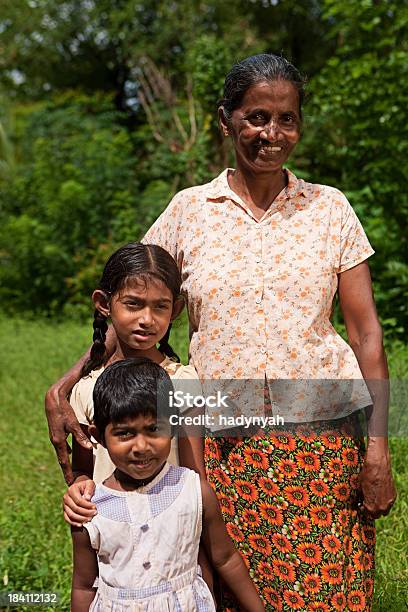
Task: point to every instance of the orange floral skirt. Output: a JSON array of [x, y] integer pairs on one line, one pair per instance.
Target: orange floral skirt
[[290, 501]]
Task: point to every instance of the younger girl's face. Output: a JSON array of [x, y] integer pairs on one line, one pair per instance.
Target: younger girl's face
[[138, 446], [141, 313]]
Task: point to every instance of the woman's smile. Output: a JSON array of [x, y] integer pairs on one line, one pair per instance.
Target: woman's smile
[[269, 151]]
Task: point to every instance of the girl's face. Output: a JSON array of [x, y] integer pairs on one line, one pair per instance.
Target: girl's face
[[138, 446], [266, 127], [140, 312]]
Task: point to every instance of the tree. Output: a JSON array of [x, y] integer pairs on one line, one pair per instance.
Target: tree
[[5, 154], [74, 191], [52, 45], [357, 138], [113, 109]]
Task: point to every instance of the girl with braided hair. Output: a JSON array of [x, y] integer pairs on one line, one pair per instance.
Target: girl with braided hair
[[139, 291]]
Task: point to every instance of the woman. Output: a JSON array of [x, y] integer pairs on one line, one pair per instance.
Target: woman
[[262, 255]]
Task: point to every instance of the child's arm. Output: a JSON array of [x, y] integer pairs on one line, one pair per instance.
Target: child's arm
[[82, 458], [191, 455], [85, 571], [78, 508], [224, 556], [191, 442], [191, 451]]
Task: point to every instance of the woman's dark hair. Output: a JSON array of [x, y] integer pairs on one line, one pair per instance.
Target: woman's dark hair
[[258, 69], [131, 388], [146, 262]]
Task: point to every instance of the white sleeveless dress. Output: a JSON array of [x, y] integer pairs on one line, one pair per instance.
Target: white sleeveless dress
[[147, 545]]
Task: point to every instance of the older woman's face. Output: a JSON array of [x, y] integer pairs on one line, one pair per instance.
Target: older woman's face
[[266, 127]]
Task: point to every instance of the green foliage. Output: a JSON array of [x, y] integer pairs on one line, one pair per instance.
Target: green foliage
[[357, 136], [54, 45], [74, 189], [209, 60], [5, 155]]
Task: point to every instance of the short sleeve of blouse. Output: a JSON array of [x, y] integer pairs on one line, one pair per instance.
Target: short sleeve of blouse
[[165, 229], [81, 400], [354, 246], [186, 381]]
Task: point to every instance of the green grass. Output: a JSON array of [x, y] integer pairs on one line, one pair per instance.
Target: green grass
[[35, 549]]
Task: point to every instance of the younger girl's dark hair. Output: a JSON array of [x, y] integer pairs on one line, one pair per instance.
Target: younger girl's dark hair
[[145, 262], [257, 69], [131, 388]]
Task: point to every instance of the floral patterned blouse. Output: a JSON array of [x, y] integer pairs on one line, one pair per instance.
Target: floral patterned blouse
[[260, 293]]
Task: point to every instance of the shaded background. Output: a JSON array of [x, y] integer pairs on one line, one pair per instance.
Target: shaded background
[[107, 108]]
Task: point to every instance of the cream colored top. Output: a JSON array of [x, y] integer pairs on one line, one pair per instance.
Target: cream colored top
[[183, 377], [147, 545], [260, 293]]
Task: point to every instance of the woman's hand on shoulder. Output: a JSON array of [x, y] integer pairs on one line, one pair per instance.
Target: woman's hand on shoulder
[[78, 509], [62, 422], [377, 484]]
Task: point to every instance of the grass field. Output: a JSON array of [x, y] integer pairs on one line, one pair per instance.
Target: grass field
[[35, 549]]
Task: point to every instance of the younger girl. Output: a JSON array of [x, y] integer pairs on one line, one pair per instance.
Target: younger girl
[[142, 546], [140, 292]]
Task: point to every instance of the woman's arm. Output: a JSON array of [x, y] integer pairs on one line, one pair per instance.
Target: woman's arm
[[365, 338], [61, 417], [85, 571], [224, 556]]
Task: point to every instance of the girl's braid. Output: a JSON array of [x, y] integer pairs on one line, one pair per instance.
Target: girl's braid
[[165, 347], [98, 349]]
